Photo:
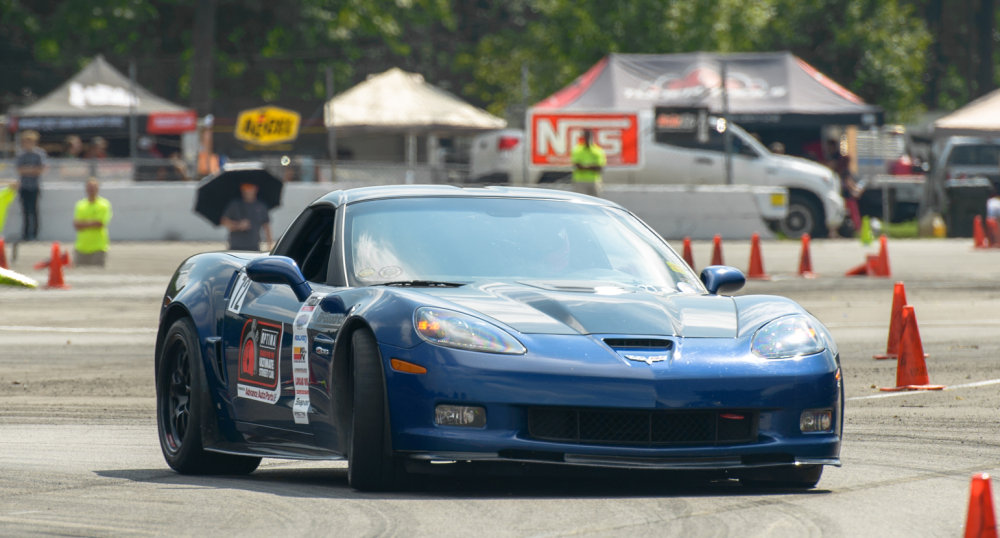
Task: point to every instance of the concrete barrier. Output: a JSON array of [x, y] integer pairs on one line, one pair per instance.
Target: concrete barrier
[[164, 211]]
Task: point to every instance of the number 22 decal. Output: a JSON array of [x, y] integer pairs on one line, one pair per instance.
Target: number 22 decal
[[239, 293]]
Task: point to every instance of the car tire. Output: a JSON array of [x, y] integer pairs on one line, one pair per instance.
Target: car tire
[[181, 397], [804, 216], [797, 477], [371, 464]]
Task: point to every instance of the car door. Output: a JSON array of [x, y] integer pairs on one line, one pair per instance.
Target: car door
[[749, 166], [687, 160], [266, 330]]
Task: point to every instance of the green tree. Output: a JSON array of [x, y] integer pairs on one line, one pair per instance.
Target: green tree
[[873, 47]]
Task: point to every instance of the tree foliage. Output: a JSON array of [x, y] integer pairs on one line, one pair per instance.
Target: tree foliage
[[901, 54]]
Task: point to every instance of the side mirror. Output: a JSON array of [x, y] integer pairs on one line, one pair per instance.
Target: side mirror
[[279, 270], [722, 279]]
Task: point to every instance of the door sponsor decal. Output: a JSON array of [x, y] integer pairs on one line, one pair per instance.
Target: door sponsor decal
[[260, 360], [300, 357]]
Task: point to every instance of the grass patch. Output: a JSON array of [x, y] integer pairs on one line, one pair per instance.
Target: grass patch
[[902, 230]]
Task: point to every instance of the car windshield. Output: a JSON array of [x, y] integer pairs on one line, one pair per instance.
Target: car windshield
[[462, 240]]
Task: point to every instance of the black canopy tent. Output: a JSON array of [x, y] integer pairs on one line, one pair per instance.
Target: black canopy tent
[[99, 100], [764, 90]]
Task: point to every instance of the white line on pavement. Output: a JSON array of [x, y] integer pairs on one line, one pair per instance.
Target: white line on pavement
[[94, 330], [912, 392]]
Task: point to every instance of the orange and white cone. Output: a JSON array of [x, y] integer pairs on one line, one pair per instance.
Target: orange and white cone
[[911, 370], [979, 233], [805, 259], [56, 264], [756, 269], [981, 521], [717, 250], [688, 255]]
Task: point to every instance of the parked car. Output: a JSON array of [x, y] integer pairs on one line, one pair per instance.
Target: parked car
[[411, 328], [496, 156], [965, 170]]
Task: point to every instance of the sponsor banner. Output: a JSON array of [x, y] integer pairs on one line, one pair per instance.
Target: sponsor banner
[[171, 122], [260, 360], [553, 136], [300, 358], [70, 123], [267, 126]]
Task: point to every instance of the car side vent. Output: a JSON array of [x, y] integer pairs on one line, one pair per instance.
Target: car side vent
[[640, 343]]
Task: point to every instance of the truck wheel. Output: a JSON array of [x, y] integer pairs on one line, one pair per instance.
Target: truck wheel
[[805, 216]]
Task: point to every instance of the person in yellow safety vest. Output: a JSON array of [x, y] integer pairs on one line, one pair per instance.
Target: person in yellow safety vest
[[588, 162], [90, 218], [7, 194]]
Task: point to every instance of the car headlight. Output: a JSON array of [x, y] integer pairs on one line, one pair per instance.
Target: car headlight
[[787, 337], [455, 329]]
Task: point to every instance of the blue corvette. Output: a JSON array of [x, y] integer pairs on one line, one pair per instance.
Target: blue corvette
[[408, 326]]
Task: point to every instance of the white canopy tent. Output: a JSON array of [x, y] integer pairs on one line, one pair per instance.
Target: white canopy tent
[[398, 102], [978, 118]]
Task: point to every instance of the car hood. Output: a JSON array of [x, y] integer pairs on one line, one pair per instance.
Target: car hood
[[597, 308]]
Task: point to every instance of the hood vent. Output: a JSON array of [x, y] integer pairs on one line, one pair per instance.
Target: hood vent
[[648, 344]]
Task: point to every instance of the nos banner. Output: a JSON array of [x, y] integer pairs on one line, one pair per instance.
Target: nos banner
[[553, 136]]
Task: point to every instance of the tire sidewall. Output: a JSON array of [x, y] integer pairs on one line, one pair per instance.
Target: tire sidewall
[[802, 207], [187, 457], [370, 457]]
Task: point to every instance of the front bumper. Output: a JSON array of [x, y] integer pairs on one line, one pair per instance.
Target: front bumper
[[833, 206], [705, 375]]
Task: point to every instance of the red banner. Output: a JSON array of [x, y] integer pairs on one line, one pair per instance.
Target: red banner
[[554, 135], [171, 122]]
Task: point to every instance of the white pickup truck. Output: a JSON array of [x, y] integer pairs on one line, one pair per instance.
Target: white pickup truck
[[638, 153]]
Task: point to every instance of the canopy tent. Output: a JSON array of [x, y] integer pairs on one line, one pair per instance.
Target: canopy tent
[[403, 102], [980, 117], [400, 103], [761, 88], [101, 99]]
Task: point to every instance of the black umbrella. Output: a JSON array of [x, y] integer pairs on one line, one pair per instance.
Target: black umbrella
[[216, 191]]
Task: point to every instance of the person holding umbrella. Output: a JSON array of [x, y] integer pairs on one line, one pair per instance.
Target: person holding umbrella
[[245, 218]]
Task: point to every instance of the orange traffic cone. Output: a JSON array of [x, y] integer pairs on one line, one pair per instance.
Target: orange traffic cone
[[882, 268], [688, 255], [56, 264], [992, 233], [895, 323], [756, 262], [978, 233], [911, 371], [805, 259], [875, 264], [981, 521], [717, 250], [868, 268], [3, 255]]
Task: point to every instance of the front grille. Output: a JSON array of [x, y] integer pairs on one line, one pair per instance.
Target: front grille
[[642, 428], [659, 344]]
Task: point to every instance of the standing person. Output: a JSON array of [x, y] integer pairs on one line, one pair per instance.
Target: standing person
[[588, 162], [245, 218], [8, 191], [98, 148], [30, 166], [992, 204], [849, 188], [90, 218], [73, 147]]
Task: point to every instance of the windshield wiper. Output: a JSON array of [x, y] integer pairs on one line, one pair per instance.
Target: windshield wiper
[[422, 284]]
